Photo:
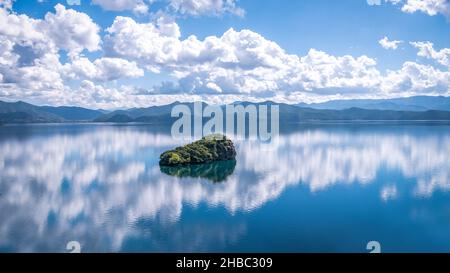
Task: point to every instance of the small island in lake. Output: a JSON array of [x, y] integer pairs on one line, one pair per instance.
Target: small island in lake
[[209, 149]]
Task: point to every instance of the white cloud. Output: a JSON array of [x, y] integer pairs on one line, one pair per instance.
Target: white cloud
[[417, 79], [244, 62], [387, 44], [30, 62], [42, 75], [96, 96], [427, 50], [103, 69], [66, 29], [20, 28], [237, 65], [430, 7], [71, 30], [137, 6], [151, 44], [206, 7], [237, 62]]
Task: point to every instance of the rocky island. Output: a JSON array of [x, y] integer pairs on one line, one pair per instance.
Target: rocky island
[[209, 149]]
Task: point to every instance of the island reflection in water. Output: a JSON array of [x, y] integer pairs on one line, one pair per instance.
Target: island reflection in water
[[214, 171], [319, 188]]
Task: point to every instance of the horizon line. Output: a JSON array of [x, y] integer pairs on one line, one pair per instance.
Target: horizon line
[[203, 101]]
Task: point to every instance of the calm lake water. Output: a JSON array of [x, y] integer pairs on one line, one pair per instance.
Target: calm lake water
[[321, 188]]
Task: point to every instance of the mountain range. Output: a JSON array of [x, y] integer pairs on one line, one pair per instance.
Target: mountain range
[[417, 103], [412, 108], [22, 112]]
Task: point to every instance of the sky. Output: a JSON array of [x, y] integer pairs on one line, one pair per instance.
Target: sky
[[114, 54]]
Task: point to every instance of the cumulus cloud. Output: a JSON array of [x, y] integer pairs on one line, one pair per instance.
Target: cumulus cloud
[[237, 62], [30, 65], [29, 57], [95, 95], [244, 62], [21, 28], [387, 44], [430, 7], [426, 49], [206, 7], [102, 69], [237, 65], [65, 29], [71, 30], [43, 75], [153, 44], [417, 78]]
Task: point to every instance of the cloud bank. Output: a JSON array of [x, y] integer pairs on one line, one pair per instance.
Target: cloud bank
[[236, 65]]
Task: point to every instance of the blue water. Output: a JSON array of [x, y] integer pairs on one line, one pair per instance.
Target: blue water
[[320, 188]]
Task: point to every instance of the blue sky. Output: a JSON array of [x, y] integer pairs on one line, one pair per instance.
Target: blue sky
[[287, 51]]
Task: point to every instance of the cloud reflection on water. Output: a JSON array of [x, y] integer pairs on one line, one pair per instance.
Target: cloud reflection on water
[[63, 186]]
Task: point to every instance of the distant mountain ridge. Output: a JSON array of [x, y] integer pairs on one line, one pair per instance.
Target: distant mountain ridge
[[416, 103], [22, 112], [150, 114], [414, 108], [73, 113]]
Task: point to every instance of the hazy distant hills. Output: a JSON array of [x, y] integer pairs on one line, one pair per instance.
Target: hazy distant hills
[[417, 103], [355, 114], [73, 113], [414, 108], [288, 113], [22, 112], [153, 114], [136, 114]]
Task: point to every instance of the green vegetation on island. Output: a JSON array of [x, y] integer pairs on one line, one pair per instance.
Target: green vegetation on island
[[208, 149]]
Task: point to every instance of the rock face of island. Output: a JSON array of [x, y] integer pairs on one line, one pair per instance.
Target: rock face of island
[[209, 149]]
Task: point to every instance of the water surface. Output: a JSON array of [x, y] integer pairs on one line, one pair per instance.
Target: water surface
[[320, 188]]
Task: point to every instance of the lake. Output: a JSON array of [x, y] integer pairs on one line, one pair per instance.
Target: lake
[[319, 188]]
